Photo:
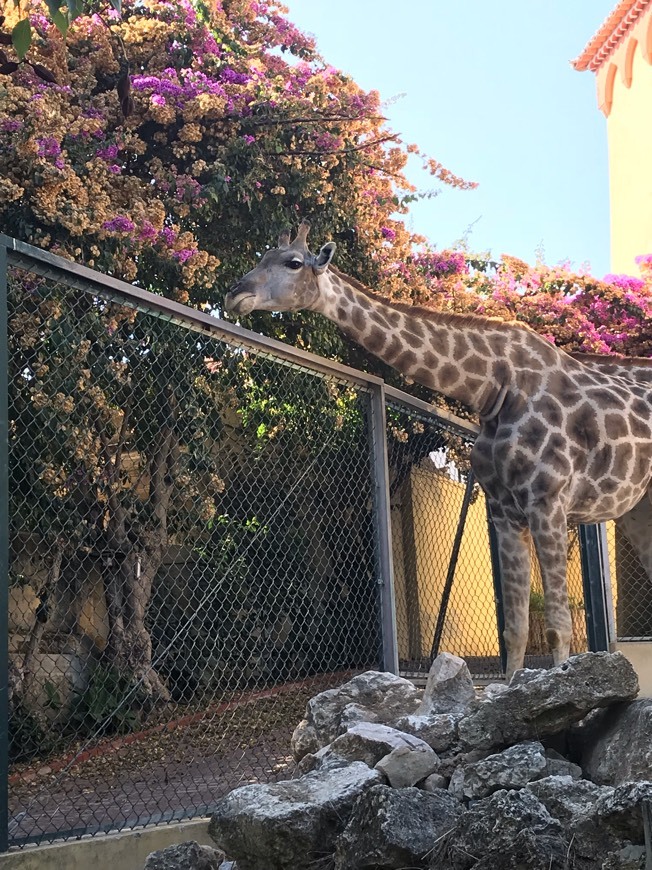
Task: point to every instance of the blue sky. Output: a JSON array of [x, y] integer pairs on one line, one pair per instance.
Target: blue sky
[[489, 91]]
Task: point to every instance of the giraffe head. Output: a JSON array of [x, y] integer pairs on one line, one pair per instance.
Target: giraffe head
[[284, 280]]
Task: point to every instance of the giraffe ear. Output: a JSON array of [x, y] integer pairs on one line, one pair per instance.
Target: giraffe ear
[[324, 257]]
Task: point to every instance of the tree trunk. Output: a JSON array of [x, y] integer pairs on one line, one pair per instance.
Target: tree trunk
[[128, 588], [28, 671]]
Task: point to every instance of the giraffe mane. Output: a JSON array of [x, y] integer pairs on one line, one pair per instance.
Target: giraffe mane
[[615, 358], [453, 317]]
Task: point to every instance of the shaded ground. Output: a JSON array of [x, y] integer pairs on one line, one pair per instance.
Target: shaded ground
[[165, 775]]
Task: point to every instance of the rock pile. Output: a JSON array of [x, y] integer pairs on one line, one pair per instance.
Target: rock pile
[[392, 777]]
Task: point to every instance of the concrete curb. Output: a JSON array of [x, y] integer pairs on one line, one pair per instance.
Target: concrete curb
[[121, 851]]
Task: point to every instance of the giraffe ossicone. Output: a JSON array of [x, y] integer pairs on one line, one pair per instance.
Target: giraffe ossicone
[[560, 441]]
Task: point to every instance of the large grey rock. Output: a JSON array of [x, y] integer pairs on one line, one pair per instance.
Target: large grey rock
[[366, 741], [449, 687], [369, 742], [438, 730], [626, 725], [408, 765], [572, 802], [557, 765], [566, 798], [627, 858], [542, 702], [185, 856], [497, 830], [529, 851], [620, 810], [354, 714], [386, 696], [392, 828], [434, 782], [290, 824], [513, 768]]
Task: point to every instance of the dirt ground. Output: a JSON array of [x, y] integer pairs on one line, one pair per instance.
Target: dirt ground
[[170, 774]]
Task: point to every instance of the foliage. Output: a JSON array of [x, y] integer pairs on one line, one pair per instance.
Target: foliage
[[108, 705], [224, 141], [28, 736], [574, 310]]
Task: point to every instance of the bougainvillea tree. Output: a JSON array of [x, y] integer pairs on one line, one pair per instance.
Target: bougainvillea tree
[[165, 143]]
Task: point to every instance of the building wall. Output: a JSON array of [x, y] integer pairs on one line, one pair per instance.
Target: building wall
[[629, 132]]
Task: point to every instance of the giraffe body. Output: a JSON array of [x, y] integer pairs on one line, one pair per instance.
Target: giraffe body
[[559, 442]]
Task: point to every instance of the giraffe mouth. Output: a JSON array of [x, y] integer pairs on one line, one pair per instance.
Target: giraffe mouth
[[239, 301]]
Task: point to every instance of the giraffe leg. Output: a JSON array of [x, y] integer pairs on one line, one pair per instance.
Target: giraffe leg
[[551, 544], [514, 555]]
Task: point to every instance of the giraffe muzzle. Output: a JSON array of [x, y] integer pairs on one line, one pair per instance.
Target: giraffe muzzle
[[236, 298]]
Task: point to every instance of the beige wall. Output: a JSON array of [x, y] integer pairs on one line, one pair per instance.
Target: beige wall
[[421, 564], [629, 130]]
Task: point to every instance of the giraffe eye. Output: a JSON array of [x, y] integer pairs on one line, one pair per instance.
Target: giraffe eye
[[293, 264]]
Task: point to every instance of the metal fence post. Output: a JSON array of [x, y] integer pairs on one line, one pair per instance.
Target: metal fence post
[[380, 471], [592, 558], [4, 558]]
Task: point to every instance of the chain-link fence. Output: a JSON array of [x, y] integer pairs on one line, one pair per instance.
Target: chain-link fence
[[629, 542], [201, 526], [193, 553]]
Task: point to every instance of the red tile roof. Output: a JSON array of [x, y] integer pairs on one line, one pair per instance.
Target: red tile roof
[[609, 36]]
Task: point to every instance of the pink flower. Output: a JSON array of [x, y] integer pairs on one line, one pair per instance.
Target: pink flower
[[119, 224]]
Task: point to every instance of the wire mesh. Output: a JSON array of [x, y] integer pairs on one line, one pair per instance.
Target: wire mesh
[[192, 556], [429, 463], [195, 551], [629, 542]]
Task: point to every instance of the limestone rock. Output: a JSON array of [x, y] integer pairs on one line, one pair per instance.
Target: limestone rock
[[627, 858], [185, 856], [366, 741], [289, 824], [557, 765], [566, 798], [620, 810], [449, 687], [369, 742], [434, 783], [392, 828], [511, 769], [541, 702], [325, 759], [304, 740], [407, 765], [529, 851], [630, 725], [493, 831], [438, 730], [354, 714], [384, 695]]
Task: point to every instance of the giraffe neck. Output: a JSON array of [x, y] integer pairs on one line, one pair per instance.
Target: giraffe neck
[[464, 359]]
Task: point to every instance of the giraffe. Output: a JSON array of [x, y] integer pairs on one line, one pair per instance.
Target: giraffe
[[559, 442], [636, 524]]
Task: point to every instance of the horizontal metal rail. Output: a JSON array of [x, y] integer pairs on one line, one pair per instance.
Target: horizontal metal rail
[[40, 262]]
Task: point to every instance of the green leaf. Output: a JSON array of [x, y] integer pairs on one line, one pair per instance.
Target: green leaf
[[21, 37], [117, 5], [75, 8], [59, 20]]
